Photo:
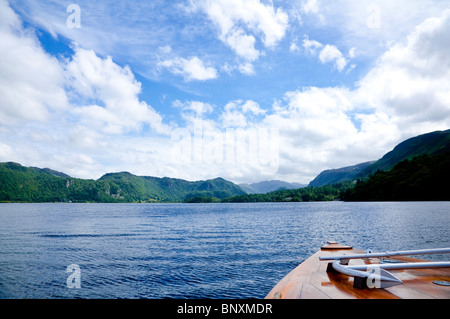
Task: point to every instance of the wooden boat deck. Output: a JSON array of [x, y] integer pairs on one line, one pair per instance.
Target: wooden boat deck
[[310, 280]]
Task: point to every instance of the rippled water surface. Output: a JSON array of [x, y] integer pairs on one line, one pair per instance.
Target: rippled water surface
[[193, 251]]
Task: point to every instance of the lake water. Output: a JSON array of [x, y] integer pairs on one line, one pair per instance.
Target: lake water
[[218, 251]]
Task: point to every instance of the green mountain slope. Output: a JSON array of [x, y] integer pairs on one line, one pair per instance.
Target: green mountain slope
[[425, 178], [28, 184], [305, 194], [430, 144], [332, 176], [146, 188], [417, 169]]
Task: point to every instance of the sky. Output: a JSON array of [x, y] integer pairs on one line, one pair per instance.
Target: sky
[[246, 90]]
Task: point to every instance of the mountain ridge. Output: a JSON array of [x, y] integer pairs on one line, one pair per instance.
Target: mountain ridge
[[269, 186], [425, 144], [420, 172], [31, 184], [424, 177], [429, 143], [332, 176]]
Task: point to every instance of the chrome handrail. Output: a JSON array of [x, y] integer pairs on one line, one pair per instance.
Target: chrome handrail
[[375, 275], [376, 278], [390, 254]]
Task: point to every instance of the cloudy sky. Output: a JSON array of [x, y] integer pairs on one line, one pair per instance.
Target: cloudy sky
[[248, 90]]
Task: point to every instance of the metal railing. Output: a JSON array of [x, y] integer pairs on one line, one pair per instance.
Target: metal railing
[[375, 275]]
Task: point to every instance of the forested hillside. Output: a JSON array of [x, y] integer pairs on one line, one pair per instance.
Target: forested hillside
[[423, 178], [430, 143], [28, 184]]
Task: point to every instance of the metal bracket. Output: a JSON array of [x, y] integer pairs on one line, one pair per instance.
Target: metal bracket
[[376, 275]]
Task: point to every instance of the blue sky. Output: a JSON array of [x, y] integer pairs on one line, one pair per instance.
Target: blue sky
[[248, 90]]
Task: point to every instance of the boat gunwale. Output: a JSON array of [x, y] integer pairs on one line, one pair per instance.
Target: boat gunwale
[[311, 280]]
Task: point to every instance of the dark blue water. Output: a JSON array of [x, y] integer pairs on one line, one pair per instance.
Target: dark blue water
[[193, 251]]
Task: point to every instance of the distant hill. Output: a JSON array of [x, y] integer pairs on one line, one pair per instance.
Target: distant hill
[[305, 194], [147, 188], [53, 172], [30, 184], [417, 169], [332, 176], [423, 178], [269, 186], [430, 144]]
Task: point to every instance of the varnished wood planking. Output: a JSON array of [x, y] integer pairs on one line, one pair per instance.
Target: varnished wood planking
[[310, 280]]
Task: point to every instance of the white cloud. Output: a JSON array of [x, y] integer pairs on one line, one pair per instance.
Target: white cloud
[[6, 152], [247, 68], [332, 54], [97, 79], [233, 119], [294, 47], [352, 53], [240, 113], [320, 128], [191, 69], [252, 107], [311, 46], [312, 7], [94, 126], [406, 93], [326, 53], [65, 113], [367, 24], [199, 108], [242, 44], [410, 82], [30, 82], [240, 22]]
